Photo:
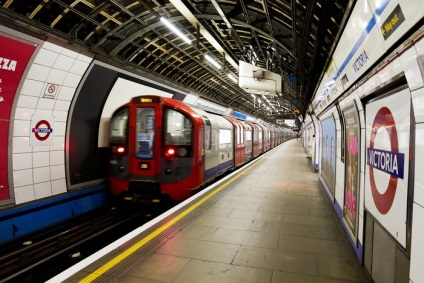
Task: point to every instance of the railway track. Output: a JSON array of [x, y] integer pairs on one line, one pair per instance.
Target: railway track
[[41, 256]]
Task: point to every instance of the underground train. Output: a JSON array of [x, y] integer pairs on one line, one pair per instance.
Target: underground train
[[364, 134], [161, 146]]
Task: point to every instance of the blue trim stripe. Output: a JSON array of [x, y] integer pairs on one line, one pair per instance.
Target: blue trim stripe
[[25, 208], [222, 167], [22, 220], [358, 43]]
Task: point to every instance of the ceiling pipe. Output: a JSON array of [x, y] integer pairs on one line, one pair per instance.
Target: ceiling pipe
[[179, 5]]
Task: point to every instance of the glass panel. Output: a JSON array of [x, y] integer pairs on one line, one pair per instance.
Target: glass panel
[[224, 136], [248, 135], [145, 133], [208, 133], [238, 133], [178, 128], [118, 127]]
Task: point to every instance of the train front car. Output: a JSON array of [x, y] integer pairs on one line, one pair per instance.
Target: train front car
[[156, 149]]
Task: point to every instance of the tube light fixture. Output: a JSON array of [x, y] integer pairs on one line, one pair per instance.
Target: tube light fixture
[[175, 30], [233, 78], [212, 61]]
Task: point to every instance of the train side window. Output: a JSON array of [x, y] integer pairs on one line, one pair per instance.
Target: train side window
[[248, 135], [238, 133], [119, 127], [224, 138], [208, 133], [178, 128], [241, 134], [145, 133]]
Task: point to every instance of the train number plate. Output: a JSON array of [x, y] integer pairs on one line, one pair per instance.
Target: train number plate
[[144, 166]]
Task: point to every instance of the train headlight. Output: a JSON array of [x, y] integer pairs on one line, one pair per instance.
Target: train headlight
[[121, 168], [168, 171], [119, 149], [170, 152]]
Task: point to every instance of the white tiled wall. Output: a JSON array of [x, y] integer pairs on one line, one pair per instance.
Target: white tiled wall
[[39, 171]]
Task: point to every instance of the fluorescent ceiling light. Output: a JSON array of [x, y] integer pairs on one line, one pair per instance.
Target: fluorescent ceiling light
[[212, 61], [175, 30], [233, 78]]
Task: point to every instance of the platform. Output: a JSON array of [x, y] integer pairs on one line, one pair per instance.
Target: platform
[[268, 222]]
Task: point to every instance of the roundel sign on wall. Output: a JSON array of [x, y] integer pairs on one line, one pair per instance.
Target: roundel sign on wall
[[386, 172], [41, 132], [391, 162]]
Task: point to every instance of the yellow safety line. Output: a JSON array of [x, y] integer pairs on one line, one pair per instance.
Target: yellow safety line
[[100, 271]]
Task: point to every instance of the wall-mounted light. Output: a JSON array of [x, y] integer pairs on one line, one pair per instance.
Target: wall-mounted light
[[212, 61], [175, 30]]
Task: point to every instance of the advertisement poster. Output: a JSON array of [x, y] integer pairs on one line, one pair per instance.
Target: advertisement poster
[[386, 173], [328, 158], [14, 57], [350, 207]]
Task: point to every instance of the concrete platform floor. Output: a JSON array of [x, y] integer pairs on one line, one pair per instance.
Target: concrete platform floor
[[274, 225]]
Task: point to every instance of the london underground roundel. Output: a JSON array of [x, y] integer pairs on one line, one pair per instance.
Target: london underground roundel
[[390, 162], [387, 136], [42, 130]]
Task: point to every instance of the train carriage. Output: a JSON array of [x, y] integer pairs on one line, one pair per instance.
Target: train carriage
[[161, 146], [257, 139], [266, 138], [239, 140], [156, 148], [219, 144], [248, 140]]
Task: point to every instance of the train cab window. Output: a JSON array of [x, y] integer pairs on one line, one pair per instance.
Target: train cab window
[[119, 126], [178, 132], [145, 127]]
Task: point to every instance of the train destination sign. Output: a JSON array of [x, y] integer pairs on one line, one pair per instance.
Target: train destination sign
[[146, 99]]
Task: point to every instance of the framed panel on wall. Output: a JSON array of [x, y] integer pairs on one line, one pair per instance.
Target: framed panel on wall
[[352, 170], [15, 56], [388, 131], [328, 156]]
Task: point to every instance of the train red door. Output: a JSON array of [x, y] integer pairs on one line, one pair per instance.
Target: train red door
[[144, 145]]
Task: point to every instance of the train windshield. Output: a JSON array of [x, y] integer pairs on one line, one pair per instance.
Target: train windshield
[[119, 126], [178, 128], [145, 133]]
